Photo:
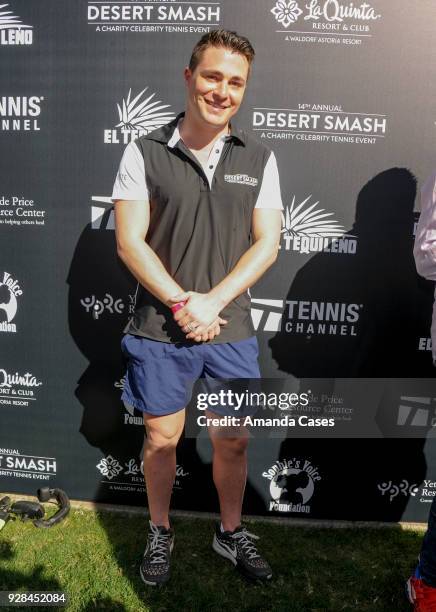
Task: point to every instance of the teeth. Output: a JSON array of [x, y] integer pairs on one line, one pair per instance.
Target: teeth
[[216, 105]]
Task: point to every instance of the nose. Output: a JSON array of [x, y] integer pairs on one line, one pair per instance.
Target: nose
[[222, 89]]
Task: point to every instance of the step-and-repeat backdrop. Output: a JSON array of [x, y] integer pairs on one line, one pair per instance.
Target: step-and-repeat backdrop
[[344, 94]]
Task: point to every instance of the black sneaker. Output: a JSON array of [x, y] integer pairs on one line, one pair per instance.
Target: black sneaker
[[155, 565], [237, 546]]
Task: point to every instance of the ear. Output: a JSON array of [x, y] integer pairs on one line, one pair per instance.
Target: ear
[[187, 74]]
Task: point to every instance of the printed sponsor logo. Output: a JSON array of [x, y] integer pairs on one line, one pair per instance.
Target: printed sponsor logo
[[16, 465], [18, 389], [319, 123], [20, 211], [286, 12], [129, 475], [305, 317], [138, 117], [269, 317], [424, 344], [309, 229], [130, 417], [20, 113], [108, 305], [109, 467], [241, 179], [102, 214], [150, 16], [427, 491], [331, 404], [12, 30], [417, 411], [325, 21], [10, 290], [292, 485], [390, 490]]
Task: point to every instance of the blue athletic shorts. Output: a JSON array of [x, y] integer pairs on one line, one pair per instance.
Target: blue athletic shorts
[[160, 375]]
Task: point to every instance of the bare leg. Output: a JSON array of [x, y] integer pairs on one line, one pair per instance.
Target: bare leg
[[163, 433], [229, 471]]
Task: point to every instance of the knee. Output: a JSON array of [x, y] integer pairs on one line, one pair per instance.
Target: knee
[[231, 448], [163, 433], [161, 442]]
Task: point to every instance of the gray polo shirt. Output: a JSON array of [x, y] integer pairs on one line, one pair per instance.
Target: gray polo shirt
[[200, 218]]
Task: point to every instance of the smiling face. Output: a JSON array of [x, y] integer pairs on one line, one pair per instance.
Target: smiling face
[[216, 86]]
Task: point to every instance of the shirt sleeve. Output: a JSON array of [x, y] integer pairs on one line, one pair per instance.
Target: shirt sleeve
[[425, 240], [130, 180], [269, 194]]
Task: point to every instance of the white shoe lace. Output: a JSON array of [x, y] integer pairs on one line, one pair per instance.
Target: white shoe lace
[[246, 544], [158, 545]]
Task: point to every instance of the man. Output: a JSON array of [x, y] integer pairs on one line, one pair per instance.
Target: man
[[206, 198], [421, 587]]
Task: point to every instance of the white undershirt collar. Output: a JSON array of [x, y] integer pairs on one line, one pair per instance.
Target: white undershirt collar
[[211, 163], [176, 136]]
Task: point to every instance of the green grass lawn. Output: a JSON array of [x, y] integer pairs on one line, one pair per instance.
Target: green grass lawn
[[94, 558]]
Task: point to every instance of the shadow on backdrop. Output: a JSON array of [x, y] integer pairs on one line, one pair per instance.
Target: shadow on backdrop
[[385, 309], [101, 294]]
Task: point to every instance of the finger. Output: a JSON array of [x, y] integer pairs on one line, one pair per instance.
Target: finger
[[222, 321], [192, 334], [198, 330], [213, 330], [213, 326], [191, 327], [183, 319], [182, 315]]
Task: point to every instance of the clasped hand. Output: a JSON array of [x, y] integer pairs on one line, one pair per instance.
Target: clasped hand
[[199, 318]]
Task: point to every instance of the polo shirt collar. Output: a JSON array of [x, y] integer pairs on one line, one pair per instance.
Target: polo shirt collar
[[170, 135]]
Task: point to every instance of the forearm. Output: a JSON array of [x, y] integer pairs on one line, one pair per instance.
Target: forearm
[[250, 267], [148, 270]]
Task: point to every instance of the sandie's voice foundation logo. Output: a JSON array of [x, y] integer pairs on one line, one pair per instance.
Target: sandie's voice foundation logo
[[10, 292], [292, 485]]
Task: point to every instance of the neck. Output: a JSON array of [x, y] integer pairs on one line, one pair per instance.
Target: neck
[[197, 134]]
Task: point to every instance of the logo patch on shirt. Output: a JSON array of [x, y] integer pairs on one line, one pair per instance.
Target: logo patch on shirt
[[241, 179]]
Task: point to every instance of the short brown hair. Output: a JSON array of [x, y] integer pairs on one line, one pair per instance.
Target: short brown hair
[[222, 38]]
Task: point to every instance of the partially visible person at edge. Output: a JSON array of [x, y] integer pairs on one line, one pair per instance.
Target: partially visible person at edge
[[421, 587], [198, 220]]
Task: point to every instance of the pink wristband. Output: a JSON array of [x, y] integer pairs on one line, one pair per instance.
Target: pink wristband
[[177, 306]]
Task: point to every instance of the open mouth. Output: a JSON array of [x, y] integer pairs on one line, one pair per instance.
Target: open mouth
[[216, 106]]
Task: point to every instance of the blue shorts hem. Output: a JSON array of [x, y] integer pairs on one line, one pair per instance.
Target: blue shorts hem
[[138, 405]]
